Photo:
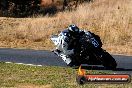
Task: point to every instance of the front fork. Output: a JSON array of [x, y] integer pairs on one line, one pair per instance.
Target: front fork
[[66, 59]]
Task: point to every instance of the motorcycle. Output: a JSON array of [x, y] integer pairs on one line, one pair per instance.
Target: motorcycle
[[90, 52]]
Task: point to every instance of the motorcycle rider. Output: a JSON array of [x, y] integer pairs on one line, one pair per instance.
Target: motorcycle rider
[[68, 43]]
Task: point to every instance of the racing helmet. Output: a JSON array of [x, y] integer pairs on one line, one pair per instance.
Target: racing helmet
[[73, 29]]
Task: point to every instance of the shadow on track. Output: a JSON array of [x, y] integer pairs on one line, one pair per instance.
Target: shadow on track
[[102, 68]]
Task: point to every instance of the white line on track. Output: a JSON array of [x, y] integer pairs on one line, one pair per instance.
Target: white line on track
[[24, 64]]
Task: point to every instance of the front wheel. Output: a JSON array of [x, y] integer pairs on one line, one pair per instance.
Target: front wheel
[[74, 65], [74, 62], [108, 61]]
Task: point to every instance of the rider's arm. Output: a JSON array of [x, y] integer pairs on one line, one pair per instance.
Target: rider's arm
[[65, 41], [88, 33], [95, 36], [63, 44]]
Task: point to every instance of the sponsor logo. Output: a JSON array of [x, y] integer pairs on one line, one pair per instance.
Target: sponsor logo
[[101, 78]]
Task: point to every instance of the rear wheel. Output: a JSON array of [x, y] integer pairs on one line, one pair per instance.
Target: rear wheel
[[108, 61]]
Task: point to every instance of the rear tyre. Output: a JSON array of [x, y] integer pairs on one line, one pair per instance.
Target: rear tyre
[[108, 61]]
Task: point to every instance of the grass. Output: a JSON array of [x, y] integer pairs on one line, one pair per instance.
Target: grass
[[110, 19], [22, 76]]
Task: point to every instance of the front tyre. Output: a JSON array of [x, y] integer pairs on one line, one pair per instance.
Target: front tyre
[[74, 65], [74, 62], [108, 61]]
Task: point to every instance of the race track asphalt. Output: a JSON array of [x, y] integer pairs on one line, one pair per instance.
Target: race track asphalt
[[48, 58]]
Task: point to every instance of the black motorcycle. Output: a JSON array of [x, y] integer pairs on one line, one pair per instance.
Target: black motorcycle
[[90, 52]]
